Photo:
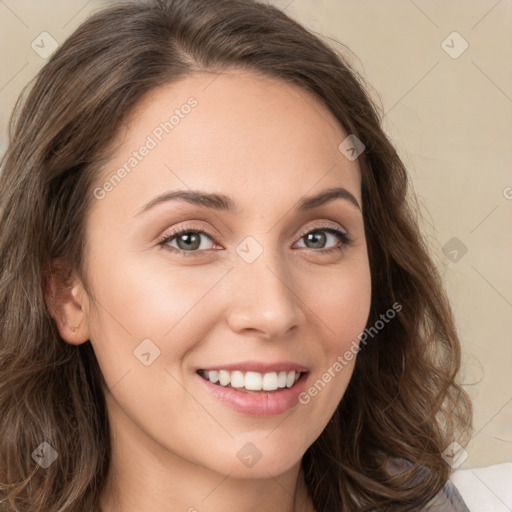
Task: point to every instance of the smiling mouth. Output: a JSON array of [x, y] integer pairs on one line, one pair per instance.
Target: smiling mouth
[[253, 382]]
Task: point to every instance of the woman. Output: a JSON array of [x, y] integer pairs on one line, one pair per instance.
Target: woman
[[214, 292]]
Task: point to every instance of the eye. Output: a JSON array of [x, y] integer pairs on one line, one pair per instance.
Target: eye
[[188, 239], [317, 238]]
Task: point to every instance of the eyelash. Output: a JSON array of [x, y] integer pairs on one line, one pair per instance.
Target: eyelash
[[168, 237]]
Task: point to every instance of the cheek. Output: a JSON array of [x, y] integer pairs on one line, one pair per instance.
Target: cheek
[[137, 301], [148, 317], [343, 308], [347, 302], [144, 298], [341, 300]]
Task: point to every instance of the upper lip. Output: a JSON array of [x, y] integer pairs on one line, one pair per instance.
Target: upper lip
[[259, 366]]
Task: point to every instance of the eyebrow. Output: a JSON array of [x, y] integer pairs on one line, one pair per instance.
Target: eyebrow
[[222, 202]]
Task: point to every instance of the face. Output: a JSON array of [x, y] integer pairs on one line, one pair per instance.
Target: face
[[274, 288]]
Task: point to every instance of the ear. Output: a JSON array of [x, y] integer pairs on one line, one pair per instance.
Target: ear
[[67, 304]]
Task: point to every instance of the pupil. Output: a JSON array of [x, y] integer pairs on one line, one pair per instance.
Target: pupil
[[317, 238], [188, 242]]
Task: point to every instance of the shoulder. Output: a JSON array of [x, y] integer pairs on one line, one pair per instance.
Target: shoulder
[[447, 500]]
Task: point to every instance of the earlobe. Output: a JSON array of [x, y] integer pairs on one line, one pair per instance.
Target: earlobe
[[66, 303]]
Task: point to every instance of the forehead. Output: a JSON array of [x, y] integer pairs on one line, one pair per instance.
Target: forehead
[[237, 130]]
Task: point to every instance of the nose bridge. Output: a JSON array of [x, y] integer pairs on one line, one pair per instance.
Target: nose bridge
[[263, 296]]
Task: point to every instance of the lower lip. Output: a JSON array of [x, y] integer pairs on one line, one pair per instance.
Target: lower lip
[[259, 403]]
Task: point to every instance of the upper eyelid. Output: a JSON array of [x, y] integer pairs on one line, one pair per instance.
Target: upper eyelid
[[323, 226]]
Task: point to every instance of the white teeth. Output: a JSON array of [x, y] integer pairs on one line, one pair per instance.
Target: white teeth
[[270, 381], [281, 380], [237, 379], [253, 381], [224, 378]]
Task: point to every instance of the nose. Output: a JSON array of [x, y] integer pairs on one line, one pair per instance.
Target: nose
[[263, 298]]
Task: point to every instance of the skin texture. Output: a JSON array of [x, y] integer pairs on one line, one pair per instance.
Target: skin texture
[[266, 144]]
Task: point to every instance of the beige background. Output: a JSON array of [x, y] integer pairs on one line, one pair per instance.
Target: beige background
[[451, 121]]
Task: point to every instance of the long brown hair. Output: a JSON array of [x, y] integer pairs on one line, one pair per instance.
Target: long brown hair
[[403, 400]]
